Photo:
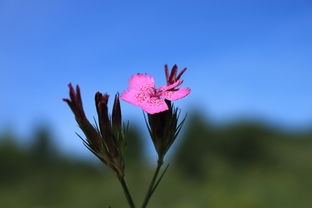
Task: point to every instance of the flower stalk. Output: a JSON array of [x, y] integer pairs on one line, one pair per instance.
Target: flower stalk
[[126, 191], [152, 187], [164, 128]]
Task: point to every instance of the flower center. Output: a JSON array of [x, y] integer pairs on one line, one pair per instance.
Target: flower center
[[144, 93], [154, 101]]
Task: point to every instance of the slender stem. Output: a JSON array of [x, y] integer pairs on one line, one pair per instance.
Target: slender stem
[[149, 192], [126, 191]]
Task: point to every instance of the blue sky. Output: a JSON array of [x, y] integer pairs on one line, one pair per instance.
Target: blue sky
[[245, 58]]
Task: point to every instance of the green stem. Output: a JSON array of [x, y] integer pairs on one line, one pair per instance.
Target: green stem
[[126, 191], [150, 191]]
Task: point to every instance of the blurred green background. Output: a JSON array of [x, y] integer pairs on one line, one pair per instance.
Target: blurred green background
[[245, 59], [244, 163]]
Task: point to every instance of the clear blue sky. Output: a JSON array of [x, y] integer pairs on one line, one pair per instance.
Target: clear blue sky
[[248, 57]]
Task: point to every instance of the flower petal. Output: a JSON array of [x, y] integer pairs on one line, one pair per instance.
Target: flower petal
[[140, 88], [169, 87], [155, 105], [139, 81], [130, 96], [177, 94]]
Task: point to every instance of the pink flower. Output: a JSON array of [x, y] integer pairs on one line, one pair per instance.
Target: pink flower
[[143, 93]]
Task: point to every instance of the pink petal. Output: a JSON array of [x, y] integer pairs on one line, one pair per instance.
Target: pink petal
[[130, 97], [140, 88], [139, 81], [169, 87], [155, 105], [177, 94]]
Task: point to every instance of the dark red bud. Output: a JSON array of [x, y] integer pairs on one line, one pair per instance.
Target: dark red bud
[[173, 74], [75, 102], [167, 73], [105, 99], [102, 110], [116, 115], [180, 74], [72, 93]]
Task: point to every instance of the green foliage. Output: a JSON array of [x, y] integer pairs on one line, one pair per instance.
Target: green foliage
[[242, 164]]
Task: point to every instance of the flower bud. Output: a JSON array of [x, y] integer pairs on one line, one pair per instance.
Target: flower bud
[[164, 129], [116, 115], [106, 141]]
